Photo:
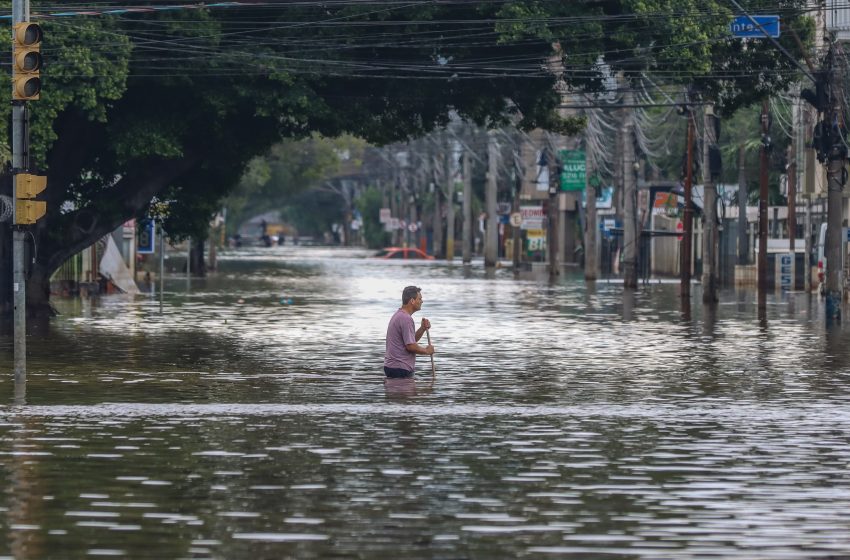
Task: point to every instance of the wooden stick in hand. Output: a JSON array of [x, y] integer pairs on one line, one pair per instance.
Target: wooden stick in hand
[[433, 369]]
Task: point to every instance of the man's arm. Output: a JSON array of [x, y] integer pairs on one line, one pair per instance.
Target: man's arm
[[414, 348], [419, 332], [423, 326]]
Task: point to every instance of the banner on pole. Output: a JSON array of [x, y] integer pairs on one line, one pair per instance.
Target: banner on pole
[[573, 175]]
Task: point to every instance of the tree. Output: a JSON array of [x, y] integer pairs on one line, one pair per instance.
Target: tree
[[171, 107], [290, 168], [369, 203]]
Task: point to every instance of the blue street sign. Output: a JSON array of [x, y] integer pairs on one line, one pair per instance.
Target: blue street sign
[[743, 26], [147, 239]]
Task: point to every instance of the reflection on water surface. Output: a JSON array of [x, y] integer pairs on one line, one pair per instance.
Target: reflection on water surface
[[564, 421]]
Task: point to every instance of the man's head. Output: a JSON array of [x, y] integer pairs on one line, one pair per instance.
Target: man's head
[[409, 293]]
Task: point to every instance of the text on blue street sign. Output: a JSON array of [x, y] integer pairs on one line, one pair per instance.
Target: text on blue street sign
[[147, 238], [743, 26]]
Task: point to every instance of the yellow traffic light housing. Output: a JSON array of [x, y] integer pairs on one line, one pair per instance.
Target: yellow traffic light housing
[[29, 211], [27, 187], [26, 61]]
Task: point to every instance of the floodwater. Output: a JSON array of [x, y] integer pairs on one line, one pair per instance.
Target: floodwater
[[248, 418]]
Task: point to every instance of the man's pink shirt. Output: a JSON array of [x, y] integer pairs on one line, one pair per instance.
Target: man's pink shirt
[[400, 332]]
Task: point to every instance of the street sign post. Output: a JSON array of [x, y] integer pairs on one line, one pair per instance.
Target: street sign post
[[743, 27]]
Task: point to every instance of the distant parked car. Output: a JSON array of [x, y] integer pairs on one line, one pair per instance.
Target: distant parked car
[[409, 253]]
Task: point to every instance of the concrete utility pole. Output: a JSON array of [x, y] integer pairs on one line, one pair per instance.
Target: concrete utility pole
[[762, 259], [491, 238], [450, 200], [630, 221], [553, 213], [395, 201], [792, 195], [161, 265], [467, 208], [804, 160], [414, 181], [619, 176], [743, 224], [437, 221], [709, 239], [836, 157], [20, 164], [688, 216], [590, 225], [515, 229]]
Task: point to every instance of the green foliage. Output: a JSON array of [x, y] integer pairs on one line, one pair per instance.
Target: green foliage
[[85, 71], [291, 167], [740, 129], [314, 212], [175, 105], [369, 204]]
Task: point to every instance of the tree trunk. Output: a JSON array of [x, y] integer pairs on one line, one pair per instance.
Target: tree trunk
[[215, 232], [59, 235], [6, 305], [199, 262], [38, 292]]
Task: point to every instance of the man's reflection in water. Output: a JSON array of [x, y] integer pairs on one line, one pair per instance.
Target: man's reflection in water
[[406, 388]]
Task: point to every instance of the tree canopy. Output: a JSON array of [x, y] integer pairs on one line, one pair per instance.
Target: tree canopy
[[290, 168], [172, 105]]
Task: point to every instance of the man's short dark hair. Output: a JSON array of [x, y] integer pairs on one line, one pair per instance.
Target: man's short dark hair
[[409, 293]]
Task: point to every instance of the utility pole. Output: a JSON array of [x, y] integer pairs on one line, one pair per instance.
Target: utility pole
[[743, 223], [688, 217], [619, 175], [553, 212], [833, 128], [762, 260], [804, 159], [467, 208], [491, 239], [437, 221], [709, 238], [590, 225], [519, 174], [26, 86], [515, 229], [630, 222], [450, 200], [414, 187], [791, 173], [161, 265]]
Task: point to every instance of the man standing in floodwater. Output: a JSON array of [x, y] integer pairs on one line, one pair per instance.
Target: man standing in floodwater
[[402, 347]]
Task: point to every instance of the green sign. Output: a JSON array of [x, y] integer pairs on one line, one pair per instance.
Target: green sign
[[574, 167]]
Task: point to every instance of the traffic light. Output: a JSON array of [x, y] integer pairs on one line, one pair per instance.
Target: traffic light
[[26, 61], [27, 187]]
